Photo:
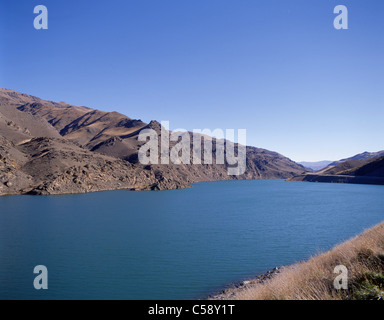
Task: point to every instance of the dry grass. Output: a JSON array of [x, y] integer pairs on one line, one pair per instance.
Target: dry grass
[[313, 280]]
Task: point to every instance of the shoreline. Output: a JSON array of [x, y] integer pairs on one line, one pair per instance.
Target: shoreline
[[231, 290], [313, 278], [313, 177]]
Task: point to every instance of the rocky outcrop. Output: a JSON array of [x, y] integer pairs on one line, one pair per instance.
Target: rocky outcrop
[[12, 178], [234, 289], [59, 166]]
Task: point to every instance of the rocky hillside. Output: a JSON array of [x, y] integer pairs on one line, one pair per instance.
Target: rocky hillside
[[361, 156], [364, 167], [55, 148], [364, 170]]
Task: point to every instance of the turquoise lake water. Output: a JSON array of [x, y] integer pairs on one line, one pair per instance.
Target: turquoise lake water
[[178, 244]]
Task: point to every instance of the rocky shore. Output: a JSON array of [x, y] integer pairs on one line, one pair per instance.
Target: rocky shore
[[314, 279], [338, 179], [234, 289]]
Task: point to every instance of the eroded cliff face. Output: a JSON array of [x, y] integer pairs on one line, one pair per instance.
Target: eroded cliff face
[[56, 148], [57, 166]]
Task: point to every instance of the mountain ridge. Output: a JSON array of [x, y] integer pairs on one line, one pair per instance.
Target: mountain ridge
[[360, 170], [56, 148]]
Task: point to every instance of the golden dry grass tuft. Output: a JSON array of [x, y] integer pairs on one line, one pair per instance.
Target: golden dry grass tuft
[[313, 280]]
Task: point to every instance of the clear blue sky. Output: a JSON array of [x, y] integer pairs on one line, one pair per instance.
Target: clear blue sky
[[277, 68]]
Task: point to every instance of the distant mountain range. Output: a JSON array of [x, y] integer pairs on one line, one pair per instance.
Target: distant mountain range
[[315, 166], [54, 148]]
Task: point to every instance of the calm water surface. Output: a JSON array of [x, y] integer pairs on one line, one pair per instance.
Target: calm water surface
[[180, 244]]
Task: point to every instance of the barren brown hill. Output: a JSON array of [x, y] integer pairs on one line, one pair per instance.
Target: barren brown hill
[[80, 124], [344, 167], [374, 168], [361, 156], [54, 148], [19, 126], [363, 171]]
